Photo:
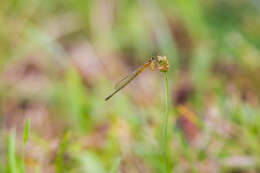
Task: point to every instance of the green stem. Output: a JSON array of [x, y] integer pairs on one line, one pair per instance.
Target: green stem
[[165, 122]]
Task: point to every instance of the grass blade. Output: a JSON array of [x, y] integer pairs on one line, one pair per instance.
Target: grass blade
[[12, 153]]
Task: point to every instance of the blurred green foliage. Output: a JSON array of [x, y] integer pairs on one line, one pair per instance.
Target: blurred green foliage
[[59, 60]]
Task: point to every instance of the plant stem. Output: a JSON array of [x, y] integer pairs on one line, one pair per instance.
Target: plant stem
[[25, 139], [165, 122]]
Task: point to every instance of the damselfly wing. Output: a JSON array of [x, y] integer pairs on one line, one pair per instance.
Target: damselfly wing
[[126, 80]]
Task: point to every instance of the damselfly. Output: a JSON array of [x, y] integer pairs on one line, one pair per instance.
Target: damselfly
[[160, 62]]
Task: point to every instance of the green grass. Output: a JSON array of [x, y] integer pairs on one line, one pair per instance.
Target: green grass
[[59, 59], [61, 154], [12, 163], [16, 162], [25, 139]]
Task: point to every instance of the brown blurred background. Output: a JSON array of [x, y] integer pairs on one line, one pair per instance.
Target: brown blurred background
[[60, 59]]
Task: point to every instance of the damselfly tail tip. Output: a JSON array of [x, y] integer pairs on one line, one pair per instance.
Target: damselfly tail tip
[[106, 99]]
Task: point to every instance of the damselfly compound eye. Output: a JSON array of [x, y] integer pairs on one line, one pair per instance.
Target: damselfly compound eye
[[159, 59]]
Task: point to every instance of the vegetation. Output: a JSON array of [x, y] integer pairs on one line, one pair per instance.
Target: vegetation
[[60, 59]]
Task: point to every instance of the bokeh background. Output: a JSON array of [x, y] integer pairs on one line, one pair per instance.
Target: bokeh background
[[59, 59]]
